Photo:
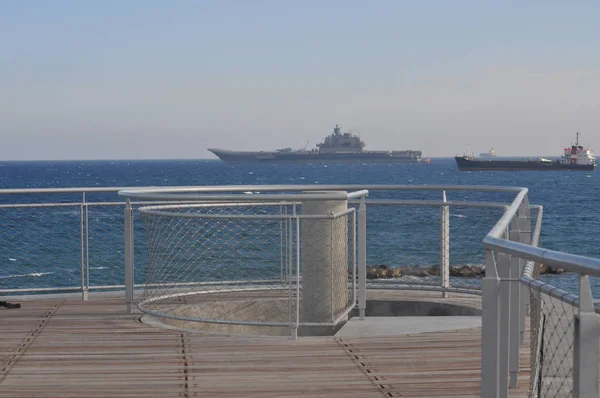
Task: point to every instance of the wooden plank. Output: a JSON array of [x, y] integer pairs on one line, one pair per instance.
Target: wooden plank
[[73, 348]]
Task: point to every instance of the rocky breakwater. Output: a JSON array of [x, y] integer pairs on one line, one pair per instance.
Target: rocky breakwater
[[384, 271]]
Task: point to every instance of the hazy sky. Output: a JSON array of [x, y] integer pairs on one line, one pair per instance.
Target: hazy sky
[[168, 79]]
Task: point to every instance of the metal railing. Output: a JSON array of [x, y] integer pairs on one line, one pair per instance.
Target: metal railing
[[71, 239], [41, 228], [225, 194], [51, 234], [564, 335], [260, 265]]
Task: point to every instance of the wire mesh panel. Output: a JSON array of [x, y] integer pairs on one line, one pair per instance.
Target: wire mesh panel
[[41, 246], [468, 227], [105, 244], [403, 243], [552, 331], [220, 265], [64, 241], [406, 243]]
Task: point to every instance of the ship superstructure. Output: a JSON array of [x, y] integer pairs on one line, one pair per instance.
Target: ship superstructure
[[489, 154], [578, 155], [337, 147], [338, 142]]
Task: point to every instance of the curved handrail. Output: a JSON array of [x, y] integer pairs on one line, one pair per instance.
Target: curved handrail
[[291, 187], [508, 216], [571, 262]]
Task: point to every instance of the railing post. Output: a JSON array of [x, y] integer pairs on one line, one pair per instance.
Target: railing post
[[87, 248], [505, 323], [129, 271], [282, 248], [515, 299], [290, 264], [354, 260], [294, 335], [525, 234], [490, 329], [82, 246], [362, 257], [586, 347], [445, 245]]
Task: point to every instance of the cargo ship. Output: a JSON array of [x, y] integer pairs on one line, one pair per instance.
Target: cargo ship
[[575, 158], [338, 147]]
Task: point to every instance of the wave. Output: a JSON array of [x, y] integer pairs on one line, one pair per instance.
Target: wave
[[34, 274]]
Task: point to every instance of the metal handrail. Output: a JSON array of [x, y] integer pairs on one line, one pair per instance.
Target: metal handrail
[[508, 216], [511, 253], [291, 187], [493, 240], [570, 262]]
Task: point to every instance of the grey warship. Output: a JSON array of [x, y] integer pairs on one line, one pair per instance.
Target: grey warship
[[338, 147]]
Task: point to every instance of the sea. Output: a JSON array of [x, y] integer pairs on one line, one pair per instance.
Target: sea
[[401, 236]]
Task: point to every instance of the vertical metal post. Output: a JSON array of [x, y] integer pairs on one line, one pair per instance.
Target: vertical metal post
[[87, 249], [281, 244], [297, 323], [586, 347], [524, 227], [490, 328], [82, 246], [289, 265], [515, 310], [445, 245], [505, 323], [526, 210], [129, 271], [354, 297], [362, 257]]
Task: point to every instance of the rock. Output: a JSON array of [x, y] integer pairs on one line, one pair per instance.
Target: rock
[[555, 270], [371, 273], [548, 270], [465, 271], [434, 271], [406, 270], [423, 273], [382, 273]]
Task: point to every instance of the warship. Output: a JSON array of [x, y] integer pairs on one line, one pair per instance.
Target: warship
[[338, 147], [575, 158]]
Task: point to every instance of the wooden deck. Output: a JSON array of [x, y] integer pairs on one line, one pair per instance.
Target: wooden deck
[[70, 348]]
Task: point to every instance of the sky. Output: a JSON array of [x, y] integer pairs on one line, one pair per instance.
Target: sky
[[145, 79]]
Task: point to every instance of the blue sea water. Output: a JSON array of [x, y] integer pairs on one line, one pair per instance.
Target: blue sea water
[[570, 199]]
